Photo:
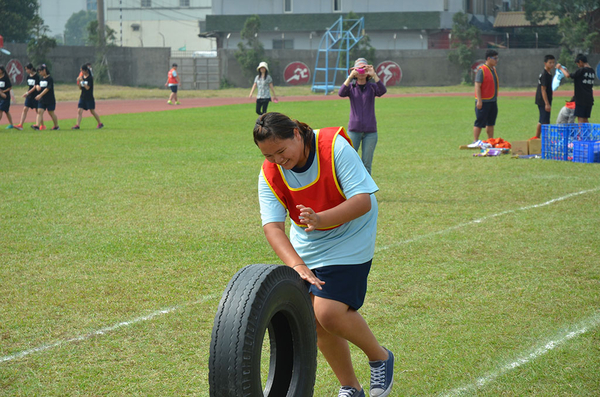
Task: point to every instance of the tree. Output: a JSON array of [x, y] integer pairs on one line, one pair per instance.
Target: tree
[[101, 69], [577, 23], [249, 57], [363, 49], [76, 32], [40, 44], [465, 39], [16, 16]]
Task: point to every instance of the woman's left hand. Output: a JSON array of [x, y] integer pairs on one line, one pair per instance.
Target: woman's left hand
[[308, 217]]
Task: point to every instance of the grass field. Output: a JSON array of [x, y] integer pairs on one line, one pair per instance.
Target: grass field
[[115, 247]]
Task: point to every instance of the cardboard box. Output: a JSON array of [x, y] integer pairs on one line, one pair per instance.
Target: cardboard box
[[520, 147], [535, 146]]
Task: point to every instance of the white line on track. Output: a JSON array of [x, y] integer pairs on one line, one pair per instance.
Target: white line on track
[[207, 297], [485, 218], [580, 329], [103, 331]]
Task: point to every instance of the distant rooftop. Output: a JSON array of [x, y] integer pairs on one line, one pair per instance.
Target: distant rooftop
[[516, 19]]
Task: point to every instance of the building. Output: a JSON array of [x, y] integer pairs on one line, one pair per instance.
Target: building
[[159, 23], [390, 24], [56, 13]]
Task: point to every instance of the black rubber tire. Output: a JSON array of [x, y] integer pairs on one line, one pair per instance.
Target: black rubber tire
[[260, 298]]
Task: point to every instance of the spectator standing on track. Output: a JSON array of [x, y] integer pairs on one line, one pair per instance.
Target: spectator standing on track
[[583, 78], [543, 94], [362, 86], [46, 99], [5, 88], [33, 80], [263, 83], [86, 99], [318, 179], [486, 95], [173, 82]]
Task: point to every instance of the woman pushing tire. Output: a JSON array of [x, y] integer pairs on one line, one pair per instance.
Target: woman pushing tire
[[260, 298]]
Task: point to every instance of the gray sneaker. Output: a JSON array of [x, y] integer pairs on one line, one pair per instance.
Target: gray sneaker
[[347, 391], [382, 376]]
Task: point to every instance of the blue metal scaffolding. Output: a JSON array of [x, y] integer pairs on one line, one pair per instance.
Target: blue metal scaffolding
[[335, 44]]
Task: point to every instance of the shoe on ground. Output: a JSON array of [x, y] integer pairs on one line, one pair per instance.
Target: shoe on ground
[[42, 127], [75, 127], [99, 126], [169, 102], [382, 376], [177, 103], [56, 128], [19, 127], [35, 127], [10, 127], [476, 144], [347, 391]]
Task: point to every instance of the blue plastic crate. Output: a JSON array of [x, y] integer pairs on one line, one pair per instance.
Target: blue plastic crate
[[558, 139], [586, 151]]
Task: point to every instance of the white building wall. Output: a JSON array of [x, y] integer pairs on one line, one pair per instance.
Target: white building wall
[[165, 23], [242, 7]]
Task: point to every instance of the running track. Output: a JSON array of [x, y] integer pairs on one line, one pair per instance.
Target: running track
[[68, 109]]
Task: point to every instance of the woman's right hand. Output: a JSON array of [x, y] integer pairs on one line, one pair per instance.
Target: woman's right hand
[[307, 275]]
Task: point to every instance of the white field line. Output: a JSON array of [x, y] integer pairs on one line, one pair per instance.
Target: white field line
[[102, 331], [580, 329], [485, 218], [169, 310]]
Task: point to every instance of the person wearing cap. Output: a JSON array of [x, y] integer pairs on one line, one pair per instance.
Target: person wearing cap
[[583, 79], [173, 81], [362, 86], [263, 83], [46, 99]]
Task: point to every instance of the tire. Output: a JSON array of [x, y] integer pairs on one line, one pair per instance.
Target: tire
[[261, 298]]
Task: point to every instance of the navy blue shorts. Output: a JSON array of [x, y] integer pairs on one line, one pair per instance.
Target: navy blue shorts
[[583, 111], [30, 102], [5, 104], [343, 283], [173, 88], [86, 105], [47, 106], [544, 116], [486, 116]]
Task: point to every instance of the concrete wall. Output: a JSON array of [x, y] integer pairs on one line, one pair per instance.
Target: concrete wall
[[516, 68], [128, 66]]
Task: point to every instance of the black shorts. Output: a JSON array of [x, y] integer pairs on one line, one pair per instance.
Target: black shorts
[[583, 111], [544, 116], [173, 88], [5, 104], [486, 116], [343, 283], [86, 105], [47, 106], [30, 102]]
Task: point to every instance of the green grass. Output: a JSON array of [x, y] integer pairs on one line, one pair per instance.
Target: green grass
[[158, 211]]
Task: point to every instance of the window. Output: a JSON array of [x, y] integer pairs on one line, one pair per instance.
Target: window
[[184, 3], [146, 3], [283, 44], [91, 5], [337, 5], [287, 5]]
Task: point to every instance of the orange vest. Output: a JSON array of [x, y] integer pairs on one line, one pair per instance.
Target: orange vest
[[320, 195], [171, 79], [488, 88]]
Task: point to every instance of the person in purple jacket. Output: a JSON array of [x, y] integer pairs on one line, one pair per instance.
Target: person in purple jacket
[[362, 86]]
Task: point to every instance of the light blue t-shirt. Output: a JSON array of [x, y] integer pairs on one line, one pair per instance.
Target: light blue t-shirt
[[353, 242]]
